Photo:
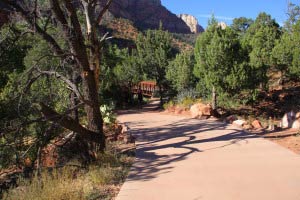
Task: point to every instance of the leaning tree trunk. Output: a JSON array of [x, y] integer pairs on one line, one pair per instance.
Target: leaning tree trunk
[[86, 57]]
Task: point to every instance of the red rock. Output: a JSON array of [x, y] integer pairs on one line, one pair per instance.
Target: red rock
[[198, 110], [298, 115], [147, 14], [256, 124], [178, 110]]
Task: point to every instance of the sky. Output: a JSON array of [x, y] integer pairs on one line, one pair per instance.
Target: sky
[[226, 11]]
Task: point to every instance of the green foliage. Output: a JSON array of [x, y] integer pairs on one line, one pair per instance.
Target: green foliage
[[180, 71], [154, 51], [21, 132], [75, 183], [187, 38], [286, 52], [220, 60], [260, 40], [12, 52], [129, 71], [169, 104], [107, 114], [240, 25], [187, 94]]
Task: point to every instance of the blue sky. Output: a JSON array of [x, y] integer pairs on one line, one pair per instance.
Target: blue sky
[[229, 9]]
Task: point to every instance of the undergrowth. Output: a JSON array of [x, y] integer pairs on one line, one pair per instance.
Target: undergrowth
[[100, 180]]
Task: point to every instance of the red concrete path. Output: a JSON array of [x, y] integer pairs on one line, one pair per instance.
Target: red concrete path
[[187, 159]]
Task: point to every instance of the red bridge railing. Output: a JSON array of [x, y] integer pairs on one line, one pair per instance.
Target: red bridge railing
[[147, 87]]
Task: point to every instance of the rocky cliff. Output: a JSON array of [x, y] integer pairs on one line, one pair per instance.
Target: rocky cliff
[[192, 23], [147, 14]]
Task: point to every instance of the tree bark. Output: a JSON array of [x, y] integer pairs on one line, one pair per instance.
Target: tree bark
[[68, 123], [87, 58]]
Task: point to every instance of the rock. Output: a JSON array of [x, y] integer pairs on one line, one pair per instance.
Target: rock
[[247, 126], [124, 129], [178, 110], [285, 121], [198, 110], [192, 23], [298, 115], [288, 119], [230, 119], [239, 122], [296, 124], [147, 14], [256, 124], [223, 25], [271, 126]]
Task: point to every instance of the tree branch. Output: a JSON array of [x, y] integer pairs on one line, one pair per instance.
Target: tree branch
[[69, 123], [103, 11], [30, 20], [72, 86]]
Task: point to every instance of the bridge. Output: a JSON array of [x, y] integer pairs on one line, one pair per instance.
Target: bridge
[[147, 87]]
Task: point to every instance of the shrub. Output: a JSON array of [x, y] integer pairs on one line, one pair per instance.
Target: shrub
[[78, 183], [169, 105], [107, 114], [187, 94]]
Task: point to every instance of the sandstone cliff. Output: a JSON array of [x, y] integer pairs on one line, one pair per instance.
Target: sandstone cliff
[[147, 14], [192, 23]]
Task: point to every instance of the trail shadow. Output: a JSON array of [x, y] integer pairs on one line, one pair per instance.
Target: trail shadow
[[152, 106], [158, 147]]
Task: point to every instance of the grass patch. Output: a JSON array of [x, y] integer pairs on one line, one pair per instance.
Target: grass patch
[[101, 180]]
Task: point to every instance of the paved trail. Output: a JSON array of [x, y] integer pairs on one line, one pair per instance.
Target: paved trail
[[187, 159]]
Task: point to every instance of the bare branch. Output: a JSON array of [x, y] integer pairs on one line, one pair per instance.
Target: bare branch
[[103, 11], [64, 79]]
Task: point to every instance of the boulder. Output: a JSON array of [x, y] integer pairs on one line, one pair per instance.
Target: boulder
[[298, 115], [296, 124], [239, 122], [124, 129], [288, 119], [247, 126], [178, 110], [198, 110], [256, 124]]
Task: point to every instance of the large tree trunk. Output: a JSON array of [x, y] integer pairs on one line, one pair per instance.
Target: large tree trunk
[[94, 118], [87, 57]]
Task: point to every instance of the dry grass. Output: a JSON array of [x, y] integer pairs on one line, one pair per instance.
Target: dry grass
[[100, 181]]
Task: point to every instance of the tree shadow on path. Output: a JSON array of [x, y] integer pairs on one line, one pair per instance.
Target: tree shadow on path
[[159, 147]]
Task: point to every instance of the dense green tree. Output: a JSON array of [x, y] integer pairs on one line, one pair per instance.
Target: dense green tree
[[180, 71], [241, 24], [260, 40], [62, 75], [220, 62], [12, 52], [282, 53], [154, 51]]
